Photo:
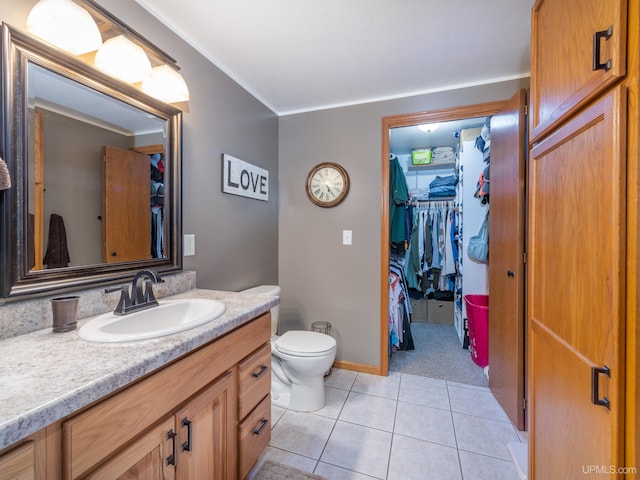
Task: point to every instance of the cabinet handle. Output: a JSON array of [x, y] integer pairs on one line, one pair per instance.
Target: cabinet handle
[[186, 446], [597, 37], [263, 368], [595, 390], [263, 422], [171, 459], [511, 273]]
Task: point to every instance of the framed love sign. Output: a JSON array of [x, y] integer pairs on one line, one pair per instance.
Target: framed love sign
[[244, 179]]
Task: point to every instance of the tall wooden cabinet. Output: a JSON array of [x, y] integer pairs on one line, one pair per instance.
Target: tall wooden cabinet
[[581, 242]]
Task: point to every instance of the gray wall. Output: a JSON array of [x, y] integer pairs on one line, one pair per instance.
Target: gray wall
[[236, 238], [321, 279], [242, 242]]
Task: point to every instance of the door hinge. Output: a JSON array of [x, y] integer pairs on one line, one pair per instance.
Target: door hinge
[[524, 404], [526, 109], [524, 257]]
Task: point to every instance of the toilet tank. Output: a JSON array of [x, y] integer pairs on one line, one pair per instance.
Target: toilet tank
[[273, 290]]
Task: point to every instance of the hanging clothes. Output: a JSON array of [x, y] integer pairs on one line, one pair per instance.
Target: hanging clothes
[[399, 196], [400, 336]]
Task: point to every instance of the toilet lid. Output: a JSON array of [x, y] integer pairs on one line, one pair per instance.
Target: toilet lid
[[302, 343]]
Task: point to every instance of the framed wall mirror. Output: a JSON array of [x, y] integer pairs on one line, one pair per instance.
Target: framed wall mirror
[[95, 166]]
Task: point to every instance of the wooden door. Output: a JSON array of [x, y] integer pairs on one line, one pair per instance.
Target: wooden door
[[126, 206], [149, 457], [506, 263], [575, 293], [563, 52], [208, 433]]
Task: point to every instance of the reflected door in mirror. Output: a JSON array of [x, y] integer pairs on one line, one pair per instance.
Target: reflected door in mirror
[[126, 213]]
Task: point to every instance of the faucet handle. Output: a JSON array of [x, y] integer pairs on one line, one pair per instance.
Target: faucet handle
[[125, 301], [149, 297]]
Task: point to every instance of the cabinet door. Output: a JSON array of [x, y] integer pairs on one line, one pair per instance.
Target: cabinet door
[[568, 37], [207, 431], [19, 463], [576, 293], [151, 456]]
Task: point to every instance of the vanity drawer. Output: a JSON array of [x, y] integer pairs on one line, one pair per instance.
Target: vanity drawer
[[254, 377], [254, 436]]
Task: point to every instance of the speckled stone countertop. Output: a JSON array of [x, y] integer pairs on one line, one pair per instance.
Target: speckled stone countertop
[[47, 376]]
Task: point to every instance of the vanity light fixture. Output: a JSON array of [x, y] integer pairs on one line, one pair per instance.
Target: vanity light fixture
[[429, 127], [64, 24], [123, 59], [167, 84]]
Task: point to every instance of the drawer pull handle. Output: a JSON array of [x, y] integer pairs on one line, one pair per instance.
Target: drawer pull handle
[[597, 37], [263, 422], [263, 368], [595, 390], [171, 459], [186, 446]]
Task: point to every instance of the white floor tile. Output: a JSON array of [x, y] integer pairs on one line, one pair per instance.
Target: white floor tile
[[431, 392], [302, 433], [386, 387], [475, 402], [425, 423], [334, 401], [351, 437], [361, 449], [340, 378], [413, 459], [483, 435], [480, 467], [276, 455], [369, 411], [470, 387], [276, 414], [336, 473]]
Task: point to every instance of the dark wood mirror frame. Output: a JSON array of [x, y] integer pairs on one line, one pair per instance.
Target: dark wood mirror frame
[[17, 282]]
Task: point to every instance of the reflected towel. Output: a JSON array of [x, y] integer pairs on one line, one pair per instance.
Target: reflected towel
[[57, 255], [5, 178]]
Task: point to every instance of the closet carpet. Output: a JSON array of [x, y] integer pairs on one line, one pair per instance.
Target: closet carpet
[[438, 354]]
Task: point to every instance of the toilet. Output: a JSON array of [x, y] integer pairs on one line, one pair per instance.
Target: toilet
[[299, 360]]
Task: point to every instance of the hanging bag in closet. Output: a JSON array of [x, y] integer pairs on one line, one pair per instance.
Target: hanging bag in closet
[[478, 249]]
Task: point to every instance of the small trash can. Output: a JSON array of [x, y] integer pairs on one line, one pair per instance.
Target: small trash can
[[478, 320]]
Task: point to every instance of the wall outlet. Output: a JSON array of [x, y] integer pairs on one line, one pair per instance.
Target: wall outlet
[[189, 246], [347, 237]]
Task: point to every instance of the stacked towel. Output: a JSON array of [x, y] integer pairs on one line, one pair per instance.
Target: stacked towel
[[5, 178], [443, 155]]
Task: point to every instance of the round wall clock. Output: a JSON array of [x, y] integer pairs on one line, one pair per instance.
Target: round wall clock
[[327, 184]]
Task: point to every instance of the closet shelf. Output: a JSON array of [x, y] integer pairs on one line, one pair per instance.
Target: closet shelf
[[434, 166]]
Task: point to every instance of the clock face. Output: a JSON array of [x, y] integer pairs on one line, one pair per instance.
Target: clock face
[[327, 184]]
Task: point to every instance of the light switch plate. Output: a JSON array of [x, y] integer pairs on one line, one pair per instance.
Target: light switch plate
[[347, 237], [189, 244]]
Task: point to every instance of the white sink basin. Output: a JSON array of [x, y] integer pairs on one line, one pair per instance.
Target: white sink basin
[[171, 316]]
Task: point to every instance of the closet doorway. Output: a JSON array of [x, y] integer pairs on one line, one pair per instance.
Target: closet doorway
[[510, 123]]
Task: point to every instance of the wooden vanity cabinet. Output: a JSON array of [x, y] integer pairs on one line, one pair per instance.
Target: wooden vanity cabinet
[[196, 442], [180, 422]]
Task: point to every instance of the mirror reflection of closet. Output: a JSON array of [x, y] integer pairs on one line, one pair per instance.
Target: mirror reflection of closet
[[442, 165]]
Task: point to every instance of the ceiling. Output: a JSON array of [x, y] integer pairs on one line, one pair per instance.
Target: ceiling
[[297, 56]]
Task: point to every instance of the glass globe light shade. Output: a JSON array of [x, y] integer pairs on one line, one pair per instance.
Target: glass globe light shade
[[64, 24]]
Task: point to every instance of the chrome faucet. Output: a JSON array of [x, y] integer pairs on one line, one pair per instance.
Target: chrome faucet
[[141, 297]]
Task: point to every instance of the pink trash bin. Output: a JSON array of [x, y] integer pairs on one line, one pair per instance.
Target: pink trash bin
[[478, 321]]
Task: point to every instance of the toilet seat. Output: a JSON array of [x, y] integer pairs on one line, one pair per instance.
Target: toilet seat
[[302, 343]]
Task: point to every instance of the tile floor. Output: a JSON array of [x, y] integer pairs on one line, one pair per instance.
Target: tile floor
[[400, 427]]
